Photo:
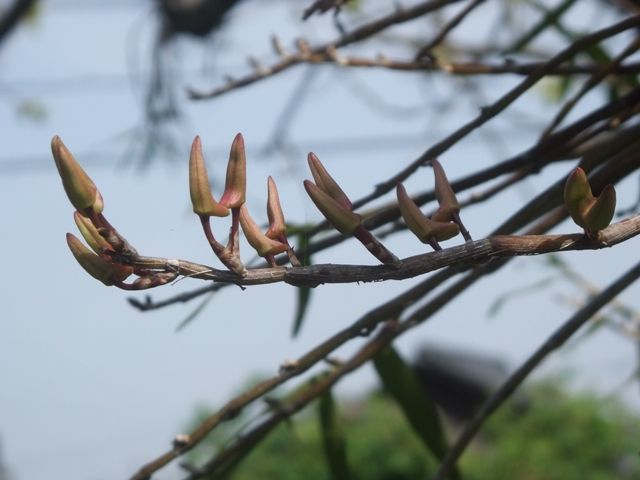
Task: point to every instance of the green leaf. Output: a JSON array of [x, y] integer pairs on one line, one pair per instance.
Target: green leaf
[[401, 383], [333, 438], [303, 293]]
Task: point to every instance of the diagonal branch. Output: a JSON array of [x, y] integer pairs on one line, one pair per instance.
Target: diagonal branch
[[487, 113], [556, 340]]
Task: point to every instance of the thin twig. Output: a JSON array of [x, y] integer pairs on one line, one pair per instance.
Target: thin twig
[[559, 337], [501, 104], [591, 82], [450, 25], [322, 6], [398, 16], [331, 57]]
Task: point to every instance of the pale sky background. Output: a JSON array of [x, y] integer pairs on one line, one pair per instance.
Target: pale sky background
[[91, 388]]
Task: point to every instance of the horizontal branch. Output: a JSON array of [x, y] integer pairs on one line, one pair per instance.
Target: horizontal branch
[[332, 57], [400, 15], [476, 252]]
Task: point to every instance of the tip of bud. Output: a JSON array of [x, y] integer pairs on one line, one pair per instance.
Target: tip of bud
[[326, 183], [201, 197], [236, 181], [602, 210], [447, 200], [343, 219], [80, 189], [277, 225], [425, 229], [260, 242]]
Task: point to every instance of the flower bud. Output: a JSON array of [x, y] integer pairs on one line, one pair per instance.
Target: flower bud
[[589, 212], [90, 233], [260, 242], [100, 269], [80, 189], [601, 212], [422, 227], [577, 196], [277, 225], [236, 182], [326, 183], [199, 188], [447, 200], [344, 220]]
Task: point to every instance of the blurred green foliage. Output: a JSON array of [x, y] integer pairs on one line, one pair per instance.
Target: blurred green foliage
[[558, 436]]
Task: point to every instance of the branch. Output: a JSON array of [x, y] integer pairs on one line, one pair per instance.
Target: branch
[[488, 112], [619, 149], [332, 57], [555, 341], [595, 78], [399, 16], [471, 253], [387, 311], [451, 24], [322, 6], [10, 18]]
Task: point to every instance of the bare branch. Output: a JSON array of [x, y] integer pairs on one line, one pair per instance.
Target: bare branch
[[470, 253], [556, 340], [399, 16]]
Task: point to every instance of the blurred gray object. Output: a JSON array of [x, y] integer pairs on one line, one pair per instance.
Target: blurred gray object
[[458, 381], [195, 17]]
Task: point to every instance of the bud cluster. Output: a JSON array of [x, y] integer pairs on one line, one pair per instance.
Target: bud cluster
[[112, 260], [445, 223]]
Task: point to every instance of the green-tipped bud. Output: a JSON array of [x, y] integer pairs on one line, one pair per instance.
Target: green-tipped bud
[[260, 242], [199, 188], [601, 212], [106, 272], [80, 189], [344, 220], [326, 183], [422, 227], [577, 196], [90, 233], [235, 186], [449, 204], [277, 225]]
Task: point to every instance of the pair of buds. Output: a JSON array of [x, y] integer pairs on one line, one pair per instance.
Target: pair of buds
[[336, 207], [445, 223], [269, 244], [587, 211], [108, 258]]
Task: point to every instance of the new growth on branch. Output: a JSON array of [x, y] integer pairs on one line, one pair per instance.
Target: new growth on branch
[[112, 260]]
